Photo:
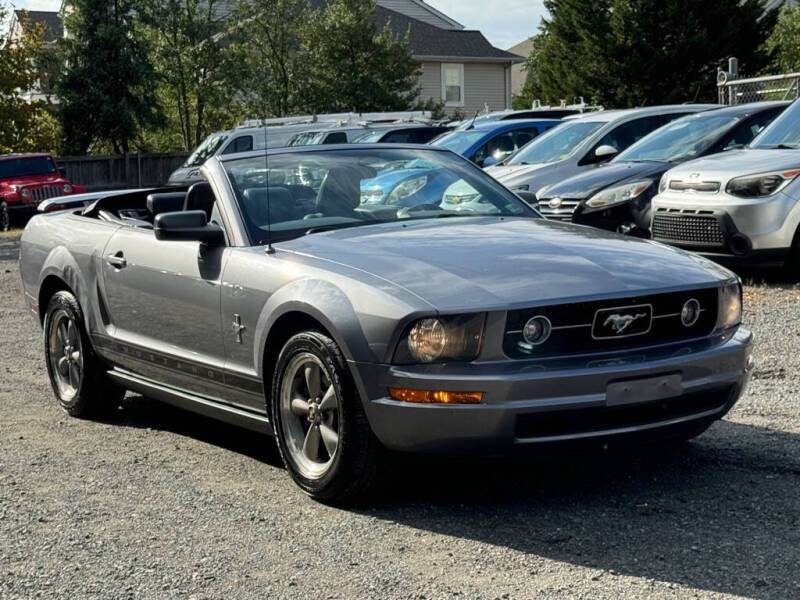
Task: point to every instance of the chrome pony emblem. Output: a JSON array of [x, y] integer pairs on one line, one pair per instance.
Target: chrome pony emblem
[[694, 175], [555, 203], [619, 323]]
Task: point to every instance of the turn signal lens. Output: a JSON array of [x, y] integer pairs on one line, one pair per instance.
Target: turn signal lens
[[435, 396]]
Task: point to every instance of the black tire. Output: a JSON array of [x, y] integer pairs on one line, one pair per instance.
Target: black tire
[[90, 393], [352, 468], [5, 217]]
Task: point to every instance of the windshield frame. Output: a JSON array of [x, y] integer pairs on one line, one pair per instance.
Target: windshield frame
[[527, 211], [545, 137]]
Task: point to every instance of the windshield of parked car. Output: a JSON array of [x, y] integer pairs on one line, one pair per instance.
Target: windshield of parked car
[[205, 150], [26, 165], [309, 138], [290, 194], [459, 141], [556, 144], [369, 138], [680, 140], [783, 132]]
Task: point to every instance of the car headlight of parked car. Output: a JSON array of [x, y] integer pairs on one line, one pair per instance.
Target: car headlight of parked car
[[66, 188], [437, 339], [407, 188], [662, 185], [762, 184], [619, 194], [730, 306]]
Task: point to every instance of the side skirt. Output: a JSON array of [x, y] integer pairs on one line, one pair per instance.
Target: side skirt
[[186, 401]]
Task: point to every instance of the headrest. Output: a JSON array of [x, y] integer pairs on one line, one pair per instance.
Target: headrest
[[165, 202], [200, 197]]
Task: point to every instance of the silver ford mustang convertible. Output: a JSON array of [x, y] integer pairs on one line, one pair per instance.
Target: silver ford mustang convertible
[[270, 296]]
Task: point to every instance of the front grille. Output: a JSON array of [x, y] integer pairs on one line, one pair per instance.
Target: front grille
[[711, 187], [563, 212], [604, 418], [694, 228], [590, 327], [45, 192]]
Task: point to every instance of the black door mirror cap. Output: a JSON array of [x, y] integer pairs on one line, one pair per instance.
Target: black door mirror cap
[[188, 226]]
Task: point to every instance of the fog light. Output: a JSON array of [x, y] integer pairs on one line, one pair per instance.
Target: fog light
[[690, 312], [435, 396], [537, 330]]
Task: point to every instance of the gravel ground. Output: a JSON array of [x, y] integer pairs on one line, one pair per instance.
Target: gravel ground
[[158, 503]]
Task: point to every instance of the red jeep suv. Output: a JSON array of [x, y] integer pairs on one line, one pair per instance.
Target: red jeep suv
[[26, 180]]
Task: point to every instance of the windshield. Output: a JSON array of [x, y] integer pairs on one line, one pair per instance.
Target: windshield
[[205, 150], [27, 165], [783, 132], [310, 138], [556, 144], [369, 138], [680, 140], [459, 141], [303, 193]]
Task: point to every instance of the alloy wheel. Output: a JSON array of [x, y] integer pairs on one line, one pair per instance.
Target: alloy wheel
[[310, 415], [66, 354]]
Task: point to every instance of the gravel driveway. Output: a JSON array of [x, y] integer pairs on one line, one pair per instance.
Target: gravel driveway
[[158, 503]]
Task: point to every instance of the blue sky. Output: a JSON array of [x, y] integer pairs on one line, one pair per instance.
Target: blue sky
[[504, 22]]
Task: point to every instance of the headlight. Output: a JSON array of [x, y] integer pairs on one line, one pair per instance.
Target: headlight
[[619, 194], [662, 185], [763, 184], [67, 188], [437, 339], [25, 193], [407, 188], [730, 306]]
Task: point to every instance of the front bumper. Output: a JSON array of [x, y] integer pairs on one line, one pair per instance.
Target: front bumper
[[22, 210], [539, 403], [723, 226]]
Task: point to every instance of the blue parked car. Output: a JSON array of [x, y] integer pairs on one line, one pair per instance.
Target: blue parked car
[[490, 142], [411, 183]]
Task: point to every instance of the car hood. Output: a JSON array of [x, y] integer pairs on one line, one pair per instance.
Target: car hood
[[735, 163], [48, 178], [501, 172], [493, 263], [589, 183]]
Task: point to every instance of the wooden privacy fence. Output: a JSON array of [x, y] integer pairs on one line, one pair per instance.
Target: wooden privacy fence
[[121, 171]]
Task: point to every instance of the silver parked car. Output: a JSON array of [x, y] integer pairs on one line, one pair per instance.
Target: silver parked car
[[344, 329], [742, 205], [581, 143]]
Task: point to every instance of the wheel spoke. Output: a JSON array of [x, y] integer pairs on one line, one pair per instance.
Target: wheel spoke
[[300, 407], [328, 400], [311, 443], [63, 366], [76, 357], [61, 330], [312, 373], [330, 438], [74, 376], [72, 334]]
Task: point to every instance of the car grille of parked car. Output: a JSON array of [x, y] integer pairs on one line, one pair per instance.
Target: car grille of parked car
[[603, 418], [688, 227], [44, 192], [559, 209], [588, 327], [710, 187]]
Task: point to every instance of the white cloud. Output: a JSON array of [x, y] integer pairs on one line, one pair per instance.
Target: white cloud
[[504, 22], [37, 4]]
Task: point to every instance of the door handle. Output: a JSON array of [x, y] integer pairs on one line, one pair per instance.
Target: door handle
[[117, 260]]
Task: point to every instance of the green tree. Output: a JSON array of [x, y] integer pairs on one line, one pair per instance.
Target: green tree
[[784, 43], [107, 89], [636, 52], [268, 67], [355, 66], [25, 125], [190, 55]]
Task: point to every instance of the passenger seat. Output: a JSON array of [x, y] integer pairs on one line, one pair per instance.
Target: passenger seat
[[165, 202]]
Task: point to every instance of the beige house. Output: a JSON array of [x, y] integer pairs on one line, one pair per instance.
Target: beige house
[[518, 72]]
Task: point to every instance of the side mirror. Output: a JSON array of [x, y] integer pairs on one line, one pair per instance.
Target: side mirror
[[605, 152], [528, 197], [489, 161], [188, 226]]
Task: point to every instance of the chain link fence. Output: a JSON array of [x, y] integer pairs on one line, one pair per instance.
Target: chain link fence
[[755, 89]]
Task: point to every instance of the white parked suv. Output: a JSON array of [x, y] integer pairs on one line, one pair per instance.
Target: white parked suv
[[741, 204]]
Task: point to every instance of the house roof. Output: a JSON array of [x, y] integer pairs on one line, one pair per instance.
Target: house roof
[[429, 41], [51, 21]]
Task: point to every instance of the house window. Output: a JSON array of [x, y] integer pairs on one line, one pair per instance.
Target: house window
[[453, 84]]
